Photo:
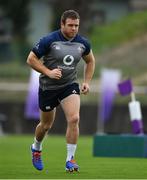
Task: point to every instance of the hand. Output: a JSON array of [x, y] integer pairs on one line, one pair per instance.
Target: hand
[[55, 73], [85, 88]]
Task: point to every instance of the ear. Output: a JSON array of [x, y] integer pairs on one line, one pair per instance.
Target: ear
[[62, 24]]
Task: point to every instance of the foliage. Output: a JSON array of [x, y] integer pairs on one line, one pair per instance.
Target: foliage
[[18, 13], [13, 71], [108, 36]]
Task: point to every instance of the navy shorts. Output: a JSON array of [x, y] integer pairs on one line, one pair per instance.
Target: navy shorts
[[49, 99]]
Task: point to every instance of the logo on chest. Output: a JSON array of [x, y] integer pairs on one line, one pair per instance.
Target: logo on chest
[[68, 60]]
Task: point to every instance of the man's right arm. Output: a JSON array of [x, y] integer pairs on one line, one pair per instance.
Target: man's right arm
[[37, 65]]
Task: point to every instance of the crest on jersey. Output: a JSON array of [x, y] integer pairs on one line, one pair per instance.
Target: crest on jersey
[[56, 47], [80, 49]]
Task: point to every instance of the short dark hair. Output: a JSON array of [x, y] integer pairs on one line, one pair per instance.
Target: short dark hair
[[69, 14]]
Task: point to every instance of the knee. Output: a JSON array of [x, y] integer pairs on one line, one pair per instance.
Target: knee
[[74, 119]]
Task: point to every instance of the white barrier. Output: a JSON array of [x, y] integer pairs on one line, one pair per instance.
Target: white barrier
[[94, 87]]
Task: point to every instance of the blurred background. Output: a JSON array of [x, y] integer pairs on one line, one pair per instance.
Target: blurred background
[[117, 31]]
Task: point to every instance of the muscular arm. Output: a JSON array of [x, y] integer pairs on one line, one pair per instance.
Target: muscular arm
[[88, 71], [89, 67], [37, 65]]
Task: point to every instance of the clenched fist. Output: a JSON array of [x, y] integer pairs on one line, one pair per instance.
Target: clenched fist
[[55, 73]]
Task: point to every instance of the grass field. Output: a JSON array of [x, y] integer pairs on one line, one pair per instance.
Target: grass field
[[15, 161]]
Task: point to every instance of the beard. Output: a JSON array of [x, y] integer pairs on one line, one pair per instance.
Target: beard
[[69, 35]]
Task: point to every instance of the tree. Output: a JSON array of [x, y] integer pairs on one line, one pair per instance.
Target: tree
[[17, 11]]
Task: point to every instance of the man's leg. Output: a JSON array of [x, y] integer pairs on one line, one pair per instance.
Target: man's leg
[[46, 121], [71, 108]]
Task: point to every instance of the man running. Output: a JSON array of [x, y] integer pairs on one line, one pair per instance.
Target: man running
[[56, 57]]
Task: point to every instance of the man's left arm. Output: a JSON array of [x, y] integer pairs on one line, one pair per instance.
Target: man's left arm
[[88, 71]]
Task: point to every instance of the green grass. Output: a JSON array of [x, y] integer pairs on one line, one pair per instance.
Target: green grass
[[14, 71], [111, 35], [15, 161]]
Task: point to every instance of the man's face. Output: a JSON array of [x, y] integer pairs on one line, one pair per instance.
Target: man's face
[[70, 28]]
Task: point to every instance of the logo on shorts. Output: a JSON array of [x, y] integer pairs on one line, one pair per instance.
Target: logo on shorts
[[68, 60], [74, 92]]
